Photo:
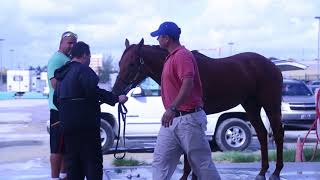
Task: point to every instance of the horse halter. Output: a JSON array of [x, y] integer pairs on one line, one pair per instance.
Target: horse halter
[[133, 83]]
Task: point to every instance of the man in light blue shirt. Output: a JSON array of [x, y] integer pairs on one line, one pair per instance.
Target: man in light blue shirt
[[58, 59]]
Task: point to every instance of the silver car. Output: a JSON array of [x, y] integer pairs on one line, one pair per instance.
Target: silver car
[[298, 105]]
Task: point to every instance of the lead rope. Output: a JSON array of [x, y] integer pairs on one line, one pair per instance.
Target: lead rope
[[315, 126], [122, 113]]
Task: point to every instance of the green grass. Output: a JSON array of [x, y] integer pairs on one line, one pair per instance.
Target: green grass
[[308, 154], [288, 156], [235, 157], [127, 162]]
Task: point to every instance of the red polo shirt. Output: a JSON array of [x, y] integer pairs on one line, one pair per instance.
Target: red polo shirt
[[180, 64]]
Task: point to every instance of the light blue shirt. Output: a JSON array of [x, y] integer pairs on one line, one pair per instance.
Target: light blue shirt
[[57, 60]]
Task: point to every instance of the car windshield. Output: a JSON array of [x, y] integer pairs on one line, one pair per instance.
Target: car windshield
[[149, 83], [150, 87], [295, 89], [315, 83]]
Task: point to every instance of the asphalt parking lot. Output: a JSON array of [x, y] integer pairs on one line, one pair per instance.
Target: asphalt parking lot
[[24, 149]]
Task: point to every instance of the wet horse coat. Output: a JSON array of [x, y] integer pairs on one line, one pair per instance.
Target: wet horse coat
[[248, 79]]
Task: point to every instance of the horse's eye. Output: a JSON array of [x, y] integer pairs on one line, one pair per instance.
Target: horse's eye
[[131, 64]]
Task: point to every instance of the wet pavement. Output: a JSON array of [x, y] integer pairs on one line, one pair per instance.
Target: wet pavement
[[38, 169], [24, 151], [228, 171]]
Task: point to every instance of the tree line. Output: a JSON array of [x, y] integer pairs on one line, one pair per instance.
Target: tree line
[[103, 72]]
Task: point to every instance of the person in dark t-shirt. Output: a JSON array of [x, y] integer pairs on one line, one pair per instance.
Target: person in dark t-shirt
[[78, 99]]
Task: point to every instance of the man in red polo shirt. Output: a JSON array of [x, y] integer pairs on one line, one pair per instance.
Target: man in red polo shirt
[[184, 122]]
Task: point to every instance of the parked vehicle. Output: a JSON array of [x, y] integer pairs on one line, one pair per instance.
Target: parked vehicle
[[313, 85], [19, 81], [298, 105], [44, 87]]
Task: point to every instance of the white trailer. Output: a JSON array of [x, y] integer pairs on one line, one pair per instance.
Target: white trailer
[[44, 82], [19, 81]]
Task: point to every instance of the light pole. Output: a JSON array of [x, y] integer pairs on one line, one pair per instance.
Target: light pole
[[12, 57], [318, 17], [1, 80], [231, 44]]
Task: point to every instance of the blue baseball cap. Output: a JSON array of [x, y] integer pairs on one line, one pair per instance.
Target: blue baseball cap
[[168, 28]]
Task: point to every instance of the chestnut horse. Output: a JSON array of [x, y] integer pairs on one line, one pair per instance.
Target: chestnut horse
[[248, 79]]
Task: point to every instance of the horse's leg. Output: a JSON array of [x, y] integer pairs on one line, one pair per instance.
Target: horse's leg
[[194, 176], [274, 116], [271, 102], [187, 169], [253, 112]]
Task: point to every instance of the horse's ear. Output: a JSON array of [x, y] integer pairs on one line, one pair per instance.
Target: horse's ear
[[140, 43], [127, 43]]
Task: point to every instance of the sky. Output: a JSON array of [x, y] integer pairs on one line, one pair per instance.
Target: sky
[[284, 29]]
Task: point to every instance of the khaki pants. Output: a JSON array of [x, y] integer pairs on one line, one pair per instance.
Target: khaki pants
[[186, 134]]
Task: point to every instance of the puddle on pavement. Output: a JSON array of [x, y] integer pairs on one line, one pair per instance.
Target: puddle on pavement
[[141, 173], [133, 173], [21, 166], [308, 175], [38, 168], [145, 173], [238, 174], [20, 143]]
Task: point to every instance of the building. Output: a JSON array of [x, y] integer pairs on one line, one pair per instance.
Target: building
[[96, 62], [307, 74]]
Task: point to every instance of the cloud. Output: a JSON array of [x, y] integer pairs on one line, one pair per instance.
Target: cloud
[[279, 28]]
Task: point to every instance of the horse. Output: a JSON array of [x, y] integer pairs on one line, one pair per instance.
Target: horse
[[247, 78]]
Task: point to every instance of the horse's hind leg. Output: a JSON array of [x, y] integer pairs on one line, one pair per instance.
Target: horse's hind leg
[[272, 106], [187, 170], [274, 115], [253, 113]]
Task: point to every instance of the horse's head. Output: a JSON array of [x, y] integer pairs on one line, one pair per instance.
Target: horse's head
[[131, 69]]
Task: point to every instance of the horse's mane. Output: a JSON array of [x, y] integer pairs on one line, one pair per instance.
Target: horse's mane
[[158, 48], [196, 53]]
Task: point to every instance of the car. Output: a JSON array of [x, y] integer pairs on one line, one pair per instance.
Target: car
[[313, 85], [298, 105]]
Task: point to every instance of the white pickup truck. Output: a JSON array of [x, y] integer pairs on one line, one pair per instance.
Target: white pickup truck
[[229, 130]]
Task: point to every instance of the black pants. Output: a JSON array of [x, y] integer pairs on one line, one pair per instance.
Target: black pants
[[84, 156]]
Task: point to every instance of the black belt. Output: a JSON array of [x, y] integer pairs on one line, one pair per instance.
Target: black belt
[[182, 113], [74, 99]]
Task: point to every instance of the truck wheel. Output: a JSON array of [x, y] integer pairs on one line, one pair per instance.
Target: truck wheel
[[233, 135], [107, 136]]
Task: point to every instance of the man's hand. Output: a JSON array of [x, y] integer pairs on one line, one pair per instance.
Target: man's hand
[[123, 98], [167, 118]]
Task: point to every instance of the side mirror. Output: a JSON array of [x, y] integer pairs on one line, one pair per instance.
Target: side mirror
[[137, 92]]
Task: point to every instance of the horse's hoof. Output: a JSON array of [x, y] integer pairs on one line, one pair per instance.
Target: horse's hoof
[[274, 177], [260, 177]]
